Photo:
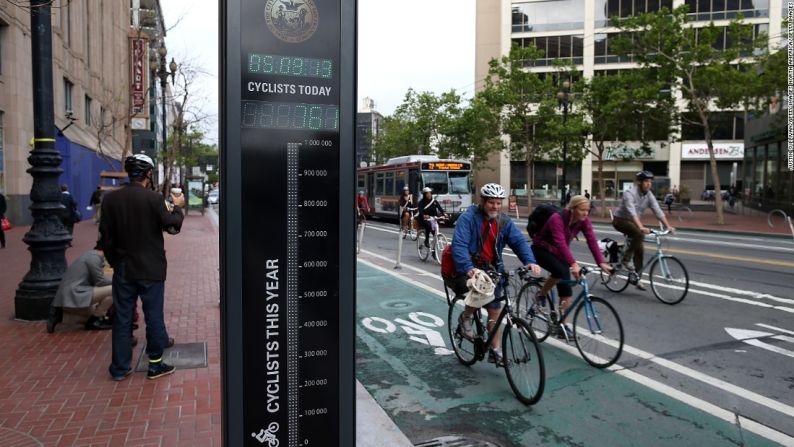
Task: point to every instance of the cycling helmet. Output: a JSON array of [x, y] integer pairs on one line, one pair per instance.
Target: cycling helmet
[[492, 190], [138, 165], [405, 188], [427, 189], [642, 175]]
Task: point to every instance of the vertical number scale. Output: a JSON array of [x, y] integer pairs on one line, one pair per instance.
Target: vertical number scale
[[293, 342]]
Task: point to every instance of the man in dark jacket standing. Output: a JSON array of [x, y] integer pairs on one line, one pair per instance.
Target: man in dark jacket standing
[[131, 234], [69, 213]]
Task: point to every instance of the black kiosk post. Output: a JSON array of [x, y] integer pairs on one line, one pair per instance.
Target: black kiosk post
[[286, 213]]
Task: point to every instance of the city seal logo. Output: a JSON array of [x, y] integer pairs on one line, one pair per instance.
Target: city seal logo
[[290, 20]]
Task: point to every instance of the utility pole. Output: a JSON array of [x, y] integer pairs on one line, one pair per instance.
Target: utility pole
[[47, 238]]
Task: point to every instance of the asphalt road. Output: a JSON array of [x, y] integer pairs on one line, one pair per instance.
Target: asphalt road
[[727, 349]]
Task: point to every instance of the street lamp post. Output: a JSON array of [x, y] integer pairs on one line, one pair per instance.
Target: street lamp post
[[564, 97], [47, 238], [163, 74]]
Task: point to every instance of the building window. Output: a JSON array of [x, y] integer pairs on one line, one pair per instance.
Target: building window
[[3, 32], [706, 10], [604, 52], [67, 95], [724, 126], [570, 48], [88, 118], [66, 22], [555, 15], [87, 38]]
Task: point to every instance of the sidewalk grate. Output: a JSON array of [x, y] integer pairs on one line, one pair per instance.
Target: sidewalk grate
[[181, 356], [13, 438], [455, 441]]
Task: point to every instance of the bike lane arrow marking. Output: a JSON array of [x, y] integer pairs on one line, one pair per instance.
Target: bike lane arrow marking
[[752, 338]]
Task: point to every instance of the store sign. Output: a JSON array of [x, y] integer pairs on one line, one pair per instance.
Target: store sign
[[722, 151], [138, 75], [623, 152]]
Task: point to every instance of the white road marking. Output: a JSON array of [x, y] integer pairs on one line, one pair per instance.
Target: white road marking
[[775, 328], [714, 410]]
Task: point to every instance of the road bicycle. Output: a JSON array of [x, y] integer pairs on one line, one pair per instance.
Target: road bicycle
[[438, 242], [596, 331], [522, 358], [408, 225], [668, 277], [361, 225]]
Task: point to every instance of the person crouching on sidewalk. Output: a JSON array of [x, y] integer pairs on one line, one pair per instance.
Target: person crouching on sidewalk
[[84, 292]]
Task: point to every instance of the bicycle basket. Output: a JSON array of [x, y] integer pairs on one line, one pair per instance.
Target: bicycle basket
[[481, 290]]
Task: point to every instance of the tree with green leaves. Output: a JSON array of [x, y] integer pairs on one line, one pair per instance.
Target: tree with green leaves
[[712, 68], [630, 106], [528, 111]]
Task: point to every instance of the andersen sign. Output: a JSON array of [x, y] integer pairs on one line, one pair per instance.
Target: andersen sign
[[722, 151], [287, 244]]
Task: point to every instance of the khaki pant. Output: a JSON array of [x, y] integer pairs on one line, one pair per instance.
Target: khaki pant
[[636, 239], [100, 303]]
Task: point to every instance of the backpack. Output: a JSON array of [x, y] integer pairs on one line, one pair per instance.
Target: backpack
[[448, 264], [540, 215]]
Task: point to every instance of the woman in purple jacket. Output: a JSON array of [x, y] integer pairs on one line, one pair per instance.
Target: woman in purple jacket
[[552, 251]]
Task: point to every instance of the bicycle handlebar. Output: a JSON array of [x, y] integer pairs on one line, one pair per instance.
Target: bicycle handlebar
[[660, 233]]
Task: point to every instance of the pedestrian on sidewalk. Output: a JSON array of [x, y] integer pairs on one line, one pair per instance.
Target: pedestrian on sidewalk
[[131, 234], [668, 200], [627, 221], [70, 215], [84, 295], [2, 215], [96, 203]]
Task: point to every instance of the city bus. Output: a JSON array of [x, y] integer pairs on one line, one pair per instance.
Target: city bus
[[450, 181]]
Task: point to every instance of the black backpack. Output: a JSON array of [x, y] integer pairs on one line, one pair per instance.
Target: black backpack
[[540, 215]]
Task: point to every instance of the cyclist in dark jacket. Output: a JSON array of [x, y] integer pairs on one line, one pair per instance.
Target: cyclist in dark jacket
[[428, 207]]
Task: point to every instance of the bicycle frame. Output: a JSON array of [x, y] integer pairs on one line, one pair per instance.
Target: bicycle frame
[[584, 294], [657, 255]]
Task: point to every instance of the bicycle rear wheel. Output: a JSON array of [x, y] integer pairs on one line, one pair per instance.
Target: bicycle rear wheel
[[440, 244], [523, 362], [536, 313], [421, 249], [598, 332], [465, 349], [669, 279], [617, 281]]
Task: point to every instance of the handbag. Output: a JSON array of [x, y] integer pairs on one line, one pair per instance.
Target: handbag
[[5, 223]]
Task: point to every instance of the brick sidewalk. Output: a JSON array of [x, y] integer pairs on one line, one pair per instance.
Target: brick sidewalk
[[55, 388]]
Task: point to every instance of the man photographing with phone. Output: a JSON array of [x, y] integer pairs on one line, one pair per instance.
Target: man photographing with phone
[[131, 234]]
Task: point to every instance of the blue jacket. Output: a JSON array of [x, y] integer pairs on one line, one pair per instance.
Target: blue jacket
[[468, 234]]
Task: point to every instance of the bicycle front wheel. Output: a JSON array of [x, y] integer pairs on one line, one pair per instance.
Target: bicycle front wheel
[[598, 332], [421, 248], [465, 349], [440, 244], [617, 281], [535, 312], [523, 359], [669, 279]]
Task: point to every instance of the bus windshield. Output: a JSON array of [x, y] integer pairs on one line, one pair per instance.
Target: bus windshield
[[447, 182]]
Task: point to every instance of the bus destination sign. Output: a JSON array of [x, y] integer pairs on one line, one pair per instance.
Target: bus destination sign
[[445, 166]]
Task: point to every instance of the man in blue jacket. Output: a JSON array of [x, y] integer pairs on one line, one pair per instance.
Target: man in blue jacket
[[481, 234]]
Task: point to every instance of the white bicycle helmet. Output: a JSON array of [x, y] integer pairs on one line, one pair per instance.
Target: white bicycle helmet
[[492, 190], [481, 290], [427, 189]]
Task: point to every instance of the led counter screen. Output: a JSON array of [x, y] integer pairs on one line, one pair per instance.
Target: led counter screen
[[288, 115], [290, 66]]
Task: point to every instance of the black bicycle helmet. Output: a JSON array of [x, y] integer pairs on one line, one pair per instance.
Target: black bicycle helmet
[[642, 175], [138, 165]]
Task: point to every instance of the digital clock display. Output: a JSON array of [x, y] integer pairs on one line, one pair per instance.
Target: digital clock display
[[290, 115], [290, 66]]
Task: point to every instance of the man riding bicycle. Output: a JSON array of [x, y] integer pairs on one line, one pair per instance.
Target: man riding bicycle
[[480, 237], [627, 221], [428, 207], [362, 204]]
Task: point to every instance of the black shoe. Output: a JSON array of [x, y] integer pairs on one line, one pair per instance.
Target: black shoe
[[55, 317], [495, 357], [134, 341], [123, 376], [98, 324], [158, 369], [170, 343]]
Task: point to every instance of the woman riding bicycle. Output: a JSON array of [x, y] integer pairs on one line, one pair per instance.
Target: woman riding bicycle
[[407, 207], [551, 246], [428, 207], [481, 234]]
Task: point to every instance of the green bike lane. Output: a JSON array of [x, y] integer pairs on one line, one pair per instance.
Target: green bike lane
[[404, 359]]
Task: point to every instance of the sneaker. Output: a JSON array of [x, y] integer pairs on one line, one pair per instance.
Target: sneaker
[[495, 357], [170, 343], [98, 324], [561, 333], [641, 286], [464, 326], [123, 376], [626, 266], [158, 369]]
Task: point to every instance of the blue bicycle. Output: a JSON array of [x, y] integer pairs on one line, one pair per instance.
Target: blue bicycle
[[597, 330]]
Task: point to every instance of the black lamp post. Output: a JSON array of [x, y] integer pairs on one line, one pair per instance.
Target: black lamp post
[[564, 97], [47, 237], [163, 74]]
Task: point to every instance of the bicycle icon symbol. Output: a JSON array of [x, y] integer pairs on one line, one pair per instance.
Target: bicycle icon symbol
[[268, 435]]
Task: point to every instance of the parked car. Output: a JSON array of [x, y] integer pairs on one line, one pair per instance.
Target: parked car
[[708, 193], [212, 197]]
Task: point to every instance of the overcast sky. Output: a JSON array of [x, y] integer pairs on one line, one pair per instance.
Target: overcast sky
[[427, 45]]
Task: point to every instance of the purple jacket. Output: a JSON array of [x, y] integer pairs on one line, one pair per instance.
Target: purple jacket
[[556, 237]]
